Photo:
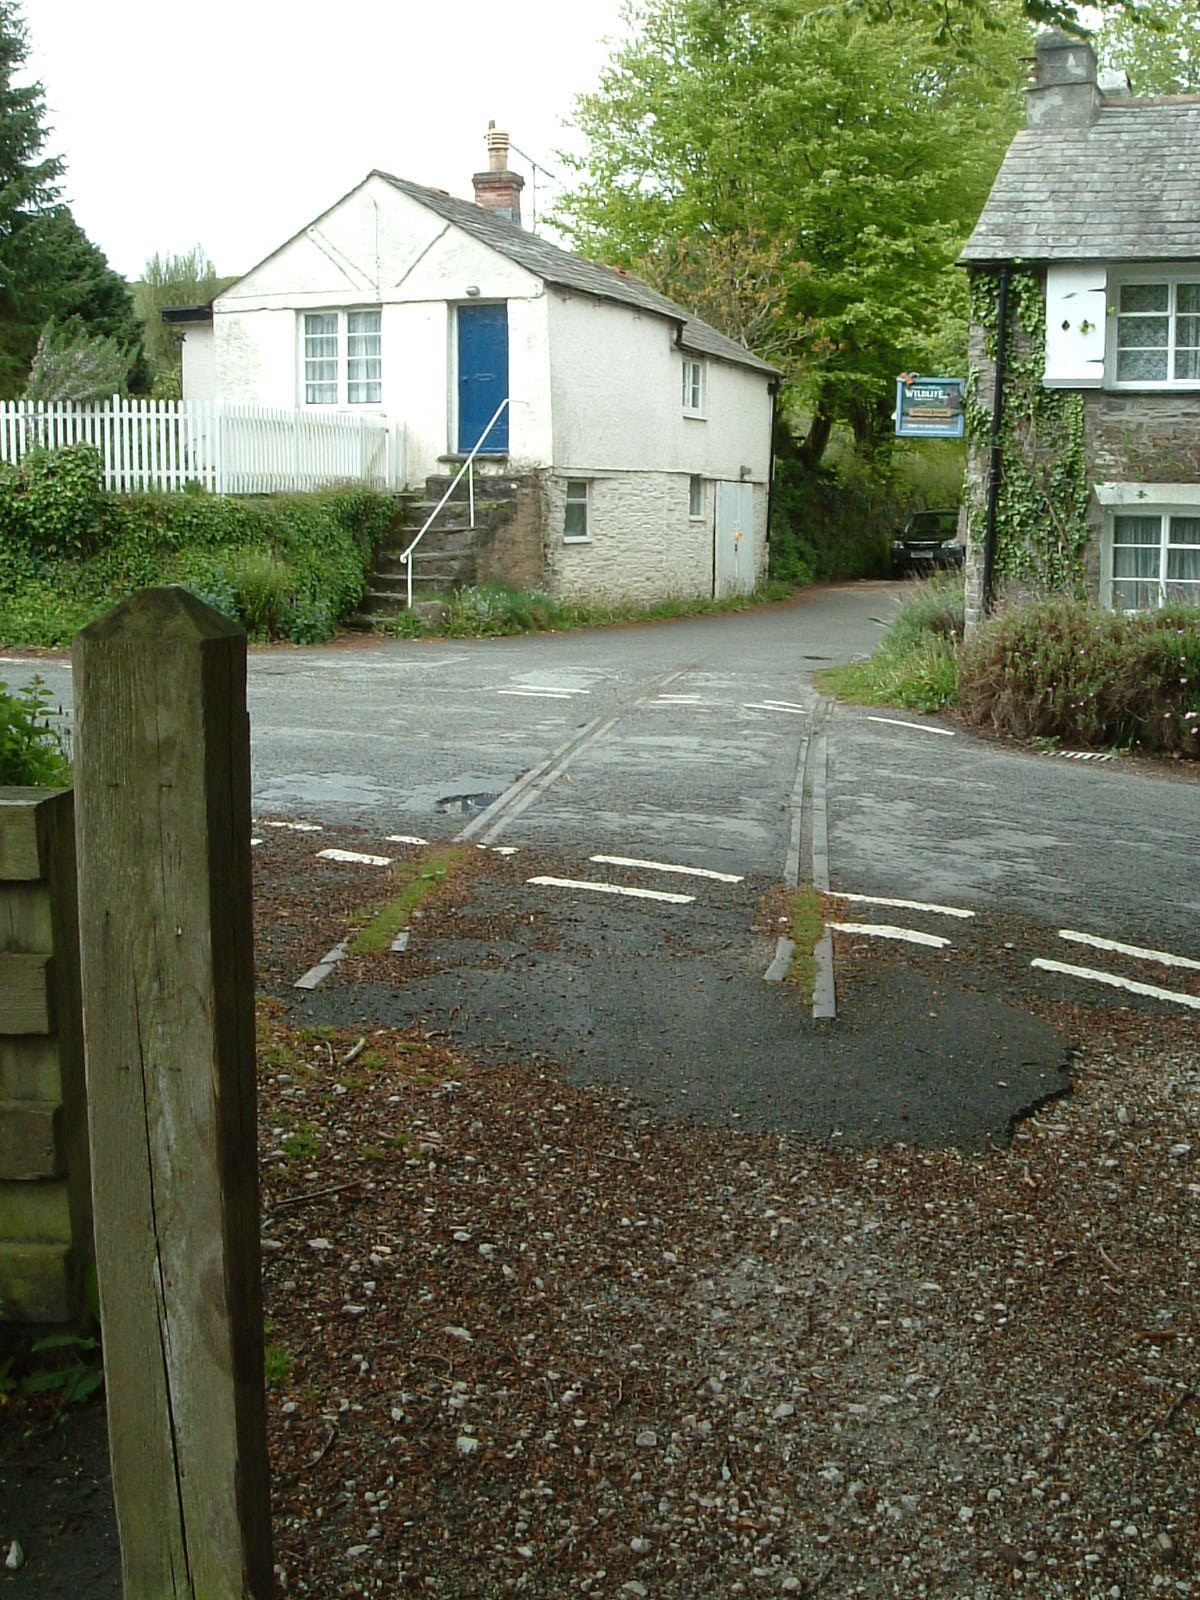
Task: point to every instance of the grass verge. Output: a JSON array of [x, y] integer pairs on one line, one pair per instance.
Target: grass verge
[[914, 666], [496, 608]]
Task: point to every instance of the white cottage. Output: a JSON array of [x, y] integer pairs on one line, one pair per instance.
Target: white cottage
[[636, 437]]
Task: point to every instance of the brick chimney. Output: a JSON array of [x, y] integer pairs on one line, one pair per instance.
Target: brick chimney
[[498, 189], [1064, 93]]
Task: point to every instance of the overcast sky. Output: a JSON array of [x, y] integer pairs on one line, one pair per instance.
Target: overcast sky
[[232, 123]]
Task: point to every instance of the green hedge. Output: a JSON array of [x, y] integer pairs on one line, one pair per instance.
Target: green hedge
[[286, 566]]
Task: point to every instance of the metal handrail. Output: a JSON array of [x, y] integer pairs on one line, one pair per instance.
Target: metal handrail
[[468, 467]]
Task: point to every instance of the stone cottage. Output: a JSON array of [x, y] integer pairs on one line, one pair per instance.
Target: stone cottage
[[1084, 465]]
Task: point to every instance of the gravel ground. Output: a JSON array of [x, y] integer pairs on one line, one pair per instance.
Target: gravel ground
[[527, 1337]]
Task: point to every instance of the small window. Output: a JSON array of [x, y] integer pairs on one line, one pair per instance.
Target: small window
[[363, 386], [1157, 339], [321, 358], [575, 517], [693, 387], [695, 496], [343, 358], [1155, 561]]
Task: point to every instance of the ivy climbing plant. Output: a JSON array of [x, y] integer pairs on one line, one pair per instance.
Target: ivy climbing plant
[[1042, 503]]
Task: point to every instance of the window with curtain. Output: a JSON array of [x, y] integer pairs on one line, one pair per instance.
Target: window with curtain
[[343, 358], [1155, 560], [1157, 332]]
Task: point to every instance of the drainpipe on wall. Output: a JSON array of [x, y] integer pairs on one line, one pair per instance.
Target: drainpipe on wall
[[995, 461], [773, 391]]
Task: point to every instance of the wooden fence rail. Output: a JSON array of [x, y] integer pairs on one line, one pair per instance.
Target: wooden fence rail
[[227, 449]]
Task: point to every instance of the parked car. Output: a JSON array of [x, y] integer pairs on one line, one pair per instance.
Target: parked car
[[929, 540]]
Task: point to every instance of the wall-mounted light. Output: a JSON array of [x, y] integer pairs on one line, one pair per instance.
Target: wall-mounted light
[[472, 289], [744, 473]]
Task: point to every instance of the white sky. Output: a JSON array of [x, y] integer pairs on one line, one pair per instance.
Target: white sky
[[232, 123]]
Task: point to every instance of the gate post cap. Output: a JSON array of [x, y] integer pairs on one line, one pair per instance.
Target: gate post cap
[[172, 614]]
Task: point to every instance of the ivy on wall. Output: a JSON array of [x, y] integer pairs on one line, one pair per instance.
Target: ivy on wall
[[1042, 505]]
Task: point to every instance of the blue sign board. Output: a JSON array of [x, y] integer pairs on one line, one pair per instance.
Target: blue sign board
[[930, 408]]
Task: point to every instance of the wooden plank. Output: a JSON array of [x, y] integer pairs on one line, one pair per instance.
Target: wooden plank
[[37, 1282], [163, 843], [22, 835], [29, 1067], [29, 1140], [25, 925], [25, 1004]]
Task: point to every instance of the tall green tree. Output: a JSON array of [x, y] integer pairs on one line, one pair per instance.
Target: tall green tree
[[28, 182], [49, 269], [831, 160], [1158, 46]]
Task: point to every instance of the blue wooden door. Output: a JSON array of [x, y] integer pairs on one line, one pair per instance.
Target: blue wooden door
[[482, 376]]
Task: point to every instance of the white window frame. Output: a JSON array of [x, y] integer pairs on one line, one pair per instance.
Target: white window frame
[[584, 500], [1171, 279], [694, 386], [697, 497], [1160, 501], [344, 315]]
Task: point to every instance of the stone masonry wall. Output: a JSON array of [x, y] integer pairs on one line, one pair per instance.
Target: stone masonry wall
[[512, 547], [643, 545]]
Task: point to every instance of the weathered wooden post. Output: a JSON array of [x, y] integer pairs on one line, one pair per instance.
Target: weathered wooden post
[[162, 814]]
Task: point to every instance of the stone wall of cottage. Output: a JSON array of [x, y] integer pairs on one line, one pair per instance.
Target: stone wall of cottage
[[643, 546]]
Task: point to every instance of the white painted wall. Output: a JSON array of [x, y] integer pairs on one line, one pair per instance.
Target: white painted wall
[[617, 398], [1076, 326], [379, 247], [199, 362]]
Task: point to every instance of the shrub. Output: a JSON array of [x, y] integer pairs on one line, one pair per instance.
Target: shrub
[[1062, 670], [288, 566], [31, 751]]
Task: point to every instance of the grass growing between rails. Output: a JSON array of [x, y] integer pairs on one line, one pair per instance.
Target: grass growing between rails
[[914, 666], [419, 881], [807, 917], [492, 609]]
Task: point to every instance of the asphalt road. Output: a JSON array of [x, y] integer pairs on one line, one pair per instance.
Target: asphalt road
[[681, 742]]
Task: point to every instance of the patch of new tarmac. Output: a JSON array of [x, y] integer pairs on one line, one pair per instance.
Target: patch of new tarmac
[[670, 1008]]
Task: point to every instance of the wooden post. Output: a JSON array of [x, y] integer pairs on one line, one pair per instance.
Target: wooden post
[[162, 810]]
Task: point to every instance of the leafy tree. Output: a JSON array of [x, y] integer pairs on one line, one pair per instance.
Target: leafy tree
[[73, 363], [1159, 46], [189, 279], [49, 269], [822, 163]]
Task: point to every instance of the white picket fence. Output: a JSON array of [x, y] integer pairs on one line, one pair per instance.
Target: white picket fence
[[227, 449]]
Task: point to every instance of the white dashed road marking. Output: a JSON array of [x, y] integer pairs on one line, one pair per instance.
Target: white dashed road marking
[[676, 700], [1090, 975], [903, 905], [771, 705], [883, 930], [295, 827], [665, 866], [1162, 958], [405, 838], [543, 689], [613, 888], [921, 727], [356, 857]]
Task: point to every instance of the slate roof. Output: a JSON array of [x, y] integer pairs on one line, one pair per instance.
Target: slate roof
[[575, 273], [1124, 188]]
